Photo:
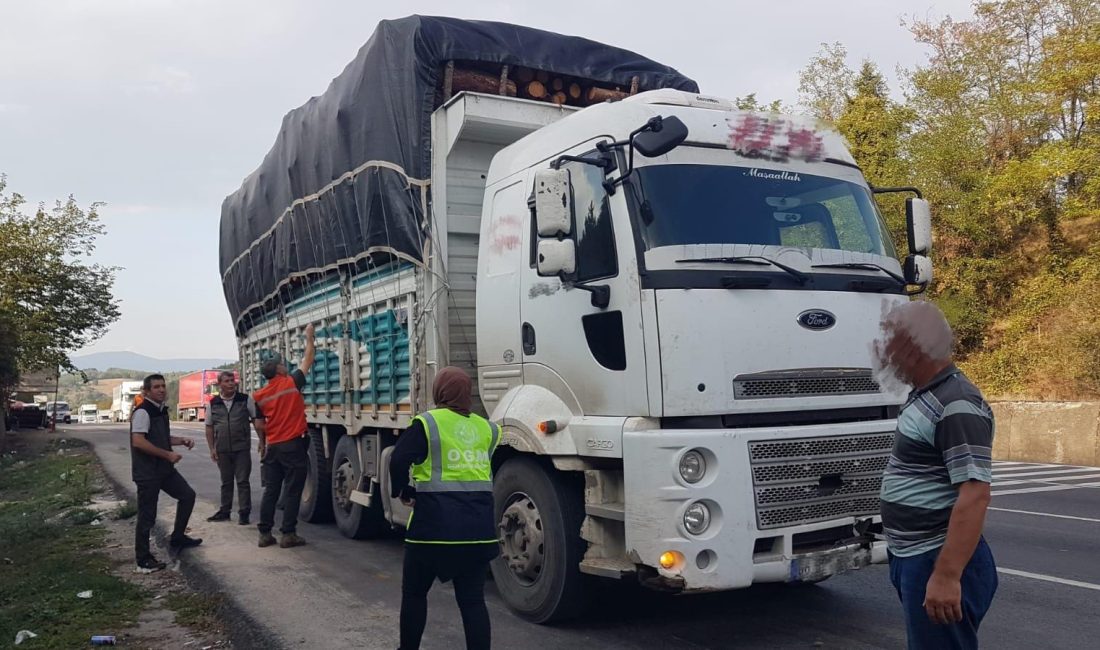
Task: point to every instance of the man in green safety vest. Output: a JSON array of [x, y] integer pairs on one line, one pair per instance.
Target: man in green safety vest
[[451, 534]]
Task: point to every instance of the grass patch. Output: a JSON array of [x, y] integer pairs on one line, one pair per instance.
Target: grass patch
[[126, 510], [195, 611], [54, 557]]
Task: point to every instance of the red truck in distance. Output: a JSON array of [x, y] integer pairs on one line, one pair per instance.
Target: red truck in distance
[[196, 391]]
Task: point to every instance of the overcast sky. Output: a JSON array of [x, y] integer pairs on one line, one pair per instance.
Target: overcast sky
[[160, 108]]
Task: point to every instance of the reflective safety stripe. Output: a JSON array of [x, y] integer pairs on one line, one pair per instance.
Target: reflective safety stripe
[[285, 391], [436, 451], [426, 541], [455, 486], [496, 438]]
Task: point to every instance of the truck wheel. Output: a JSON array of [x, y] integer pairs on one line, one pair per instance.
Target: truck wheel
[[316, 496], [354, 520], [539, 518]]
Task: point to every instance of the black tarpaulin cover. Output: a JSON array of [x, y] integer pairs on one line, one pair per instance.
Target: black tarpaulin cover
[[348, 174]]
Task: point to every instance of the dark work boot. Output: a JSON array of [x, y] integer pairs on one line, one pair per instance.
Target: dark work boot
[[290, 540], [183, 541]]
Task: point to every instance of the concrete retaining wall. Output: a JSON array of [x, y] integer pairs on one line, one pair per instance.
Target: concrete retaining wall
[[1048, 432]]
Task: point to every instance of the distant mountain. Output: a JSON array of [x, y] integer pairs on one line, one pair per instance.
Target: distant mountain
[[134, 361]]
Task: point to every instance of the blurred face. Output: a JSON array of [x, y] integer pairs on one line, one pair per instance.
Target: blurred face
[[227, 385], [158, 391]]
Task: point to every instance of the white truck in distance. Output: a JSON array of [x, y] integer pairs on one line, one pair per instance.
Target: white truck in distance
[[670, 306], [122, 400], [89, 414]]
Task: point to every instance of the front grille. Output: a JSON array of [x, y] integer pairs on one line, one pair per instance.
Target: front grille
[[806, 470], [818, 512], [791, 493], [808, 480], [804, 383], [819, 447]]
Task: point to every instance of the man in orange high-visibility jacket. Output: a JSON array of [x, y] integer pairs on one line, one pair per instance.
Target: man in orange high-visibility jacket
[[284, 443]]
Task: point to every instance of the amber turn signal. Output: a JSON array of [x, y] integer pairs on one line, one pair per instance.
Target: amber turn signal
[[548, 426], [670, 559]]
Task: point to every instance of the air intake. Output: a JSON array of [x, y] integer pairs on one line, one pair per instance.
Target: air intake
[[812, 382]]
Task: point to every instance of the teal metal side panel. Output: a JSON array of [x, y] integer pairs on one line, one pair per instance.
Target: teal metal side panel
[[387, 345]]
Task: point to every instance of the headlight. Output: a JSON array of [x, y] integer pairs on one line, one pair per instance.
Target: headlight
[[697, 518], [693, 466]]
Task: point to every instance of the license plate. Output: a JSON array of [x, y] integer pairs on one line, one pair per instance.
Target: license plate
[[818, 566]]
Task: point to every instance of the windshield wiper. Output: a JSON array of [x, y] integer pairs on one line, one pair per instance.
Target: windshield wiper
[[869, 266], [748, 259]]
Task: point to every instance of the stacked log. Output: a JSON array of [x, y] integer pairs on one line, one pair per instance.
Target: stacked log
[[529, 83]]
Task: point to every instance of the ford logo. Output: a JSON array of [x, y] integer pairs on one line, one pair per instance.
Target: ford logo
[[816, 319]]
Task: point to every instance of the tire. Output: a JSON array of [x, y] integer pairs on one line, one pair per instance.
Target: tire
[[354, 520], [316, 505], [544, 583]]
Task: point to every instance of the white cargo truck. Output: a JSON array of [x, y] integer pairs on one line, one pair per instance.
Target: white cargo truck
[[89, 414], [668, 305], [122, 400]]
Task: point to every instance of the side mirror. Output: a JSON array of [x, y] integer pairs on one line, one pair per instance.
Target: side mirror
[[918, 221], [658, 141], [557, 257], [553, 202], [918, 270]]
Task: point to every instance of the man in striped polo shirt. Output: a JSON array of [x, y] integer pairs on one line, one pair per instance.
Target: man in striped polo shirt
[[935, 489]]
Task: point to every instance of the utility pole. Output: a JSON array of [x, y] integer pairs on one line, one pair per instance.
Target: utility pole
[[56, 389]]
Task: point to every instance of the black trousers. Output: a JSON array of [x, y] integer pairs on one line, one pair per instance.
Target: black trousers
[[284, 462], [235, 468], [148, 493], [423, 564]]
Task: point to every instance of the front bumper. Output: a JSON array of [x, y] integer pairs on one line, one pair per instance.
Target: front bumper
[[748, 541]]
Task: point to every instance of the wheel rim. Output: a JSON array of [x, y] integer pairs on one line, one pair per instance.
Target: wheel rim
[[343, 478], [522, 541]]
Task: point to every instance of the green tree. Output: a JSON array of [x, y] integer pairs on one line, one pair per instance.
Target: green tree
[[750, 103], [55, 298], [1007, 145], [825, 83], [876, 128]]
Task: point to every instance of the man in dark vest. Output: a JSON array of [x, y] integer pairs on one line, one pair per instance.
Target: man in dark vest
[[451, 534], [229, 436], [153, 464]]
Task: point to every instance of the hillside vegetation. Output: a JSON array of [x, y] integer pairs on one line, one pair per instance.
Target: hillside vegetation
[[1001, 129]]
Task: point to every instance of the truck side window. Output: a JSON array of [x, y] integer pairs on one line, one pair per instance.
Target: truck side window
[[595, 238]]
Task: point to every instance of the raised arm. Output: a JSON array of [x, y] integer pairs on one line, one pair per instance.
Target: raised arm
[[307, 358]]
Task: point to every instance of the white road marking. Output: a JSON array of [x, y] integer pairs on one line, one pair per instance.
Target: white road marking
[[1045, 514], [1051, 480], [1046, 472], [1017, 471], [1046, 578], [1049, 488], [1006, 463]]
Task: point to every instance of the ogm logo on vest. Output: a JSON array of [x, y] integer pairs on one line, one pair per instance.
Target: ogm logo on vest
[[466, 434], [468, 459]]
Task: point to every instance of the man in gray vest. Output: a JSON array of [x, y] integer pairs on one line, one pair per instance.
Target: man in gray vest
[[154, 469], [229, 436]]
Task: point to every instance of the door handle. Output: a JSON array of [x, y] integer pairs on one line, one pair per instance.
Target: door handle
[[528, 339]]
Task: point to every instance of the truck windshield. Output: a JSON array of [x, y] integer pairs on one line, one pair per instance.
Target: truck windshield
[[722, 204]]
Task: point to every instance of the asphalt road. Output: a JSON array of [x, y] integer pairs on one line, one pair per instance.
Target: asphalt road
[[1044, 529]]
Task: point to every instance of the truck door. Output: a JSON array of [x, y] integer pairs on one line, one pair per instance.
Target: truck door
[[597, 352]]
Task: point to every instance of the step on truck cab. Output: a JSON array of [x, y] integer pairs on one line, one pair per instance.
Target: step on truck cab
[[667, 304]]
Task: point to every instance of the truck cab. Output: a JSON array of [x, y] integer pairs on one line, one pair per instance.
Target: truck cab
[[59, 412], [89, 413], [690, 329]]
